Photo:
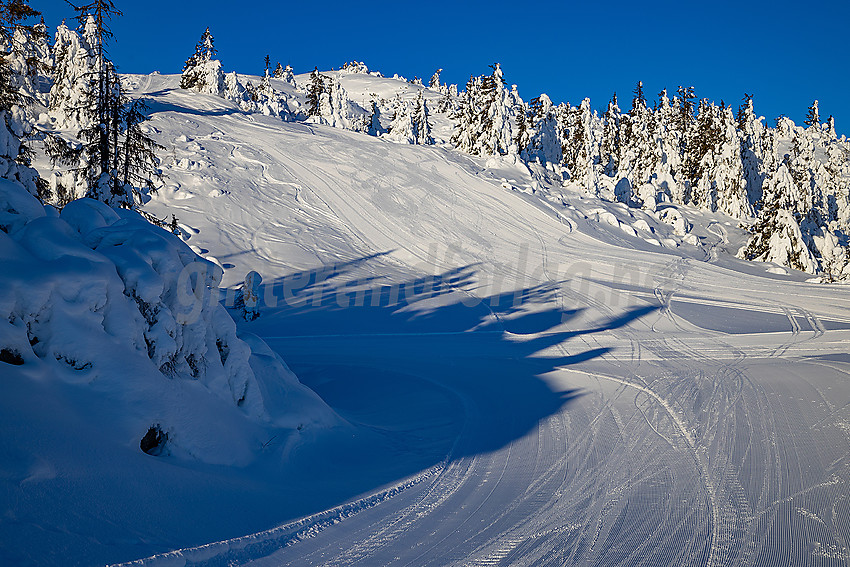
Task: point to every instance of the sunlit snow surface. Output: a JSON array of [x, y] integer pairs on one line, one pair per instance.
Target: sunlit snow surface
[[532, 376]]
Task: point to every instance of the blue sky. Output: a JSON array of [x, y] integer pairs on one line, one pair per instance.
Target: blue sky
[[784, 53]]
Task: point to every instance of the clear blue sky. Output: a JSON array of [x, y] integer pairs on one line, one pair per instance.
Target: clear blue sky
[[785, 53]]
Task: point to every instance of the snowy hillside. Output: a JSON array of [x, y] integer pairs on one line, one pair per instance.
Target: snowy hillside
[[113, 345], [338, 317], [532, 374]]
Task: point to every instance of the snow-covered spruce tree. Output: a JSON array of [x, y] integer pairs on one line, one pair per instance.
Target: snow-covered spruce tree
[[580, 150], [813, 116], [284, 74], [468, 117], [727, 172], [355, 67], [822, 209], [202, 72], [669, 139], [498, 108], [434, 83], [421, 122], [609, 143], [701, 140], [448, 102], [485, 116], [251, 296], [289, 75], [373, 125], [334, 107], [545, 143], [522, 138], [267, 73], [137, 156], [776, 235], [685, 125], [402, 129], [314, 92], [14, 154], [71, 71], [117, 158], [28, 53], [639, 153], [263, 98], [754, 149]]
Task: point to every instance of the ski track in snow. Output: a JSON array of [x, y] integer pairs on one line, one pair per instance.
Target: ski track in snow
[[694, 443]]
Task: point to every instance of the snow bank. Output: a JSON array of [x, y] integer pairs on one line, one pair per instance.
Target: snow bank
[[101, 297]]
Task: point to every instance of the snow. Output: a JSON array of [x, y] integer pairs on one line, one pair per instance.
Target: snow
[[110, 327], [515, 369]]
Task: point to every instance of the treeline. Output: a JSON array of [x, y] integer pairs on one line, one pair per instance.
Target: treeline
[[789, 184]]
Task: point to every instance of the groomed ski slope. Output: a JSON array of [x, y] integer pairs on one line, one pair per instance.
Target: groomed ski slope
[[550, 389]]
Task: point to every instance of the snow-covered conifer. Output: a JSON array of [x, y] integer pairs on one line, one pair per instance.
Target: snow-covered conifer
[[373, 126], [639, 154], [28, 53], [467, 114], [727, 172], [14, 154], [754, 149], [579, 150], [251, 296], [545, 142], [669, 140], [434, 83], [314, 92], [202, 72], [267, 74], [776, 235], [497, 106], [701, 140], [402, 128], [485, 116], [117, 158], [813, 116], [421, 122], [522, 138], [72, 67], [609, 143], [288, 75], [446, 104]]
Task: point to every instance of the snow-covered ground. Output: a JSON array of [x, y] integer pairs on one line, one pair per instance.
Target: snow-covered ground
[[525, 375]]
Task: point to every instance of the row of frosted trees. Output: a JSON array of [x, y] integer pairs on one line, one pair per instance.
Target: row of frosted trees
[[788, 183]]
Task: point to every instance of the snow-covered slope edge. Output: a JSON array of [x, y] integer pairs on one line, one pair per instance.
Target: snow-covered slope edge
[[112, 343]]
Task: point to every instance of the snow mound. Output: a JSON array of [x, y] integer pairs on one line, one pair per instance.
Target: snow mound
[[103, 298]]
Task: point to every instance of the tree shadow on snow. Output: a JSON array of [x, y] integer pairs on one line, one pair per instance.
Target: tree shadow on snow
[[425, 359]]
